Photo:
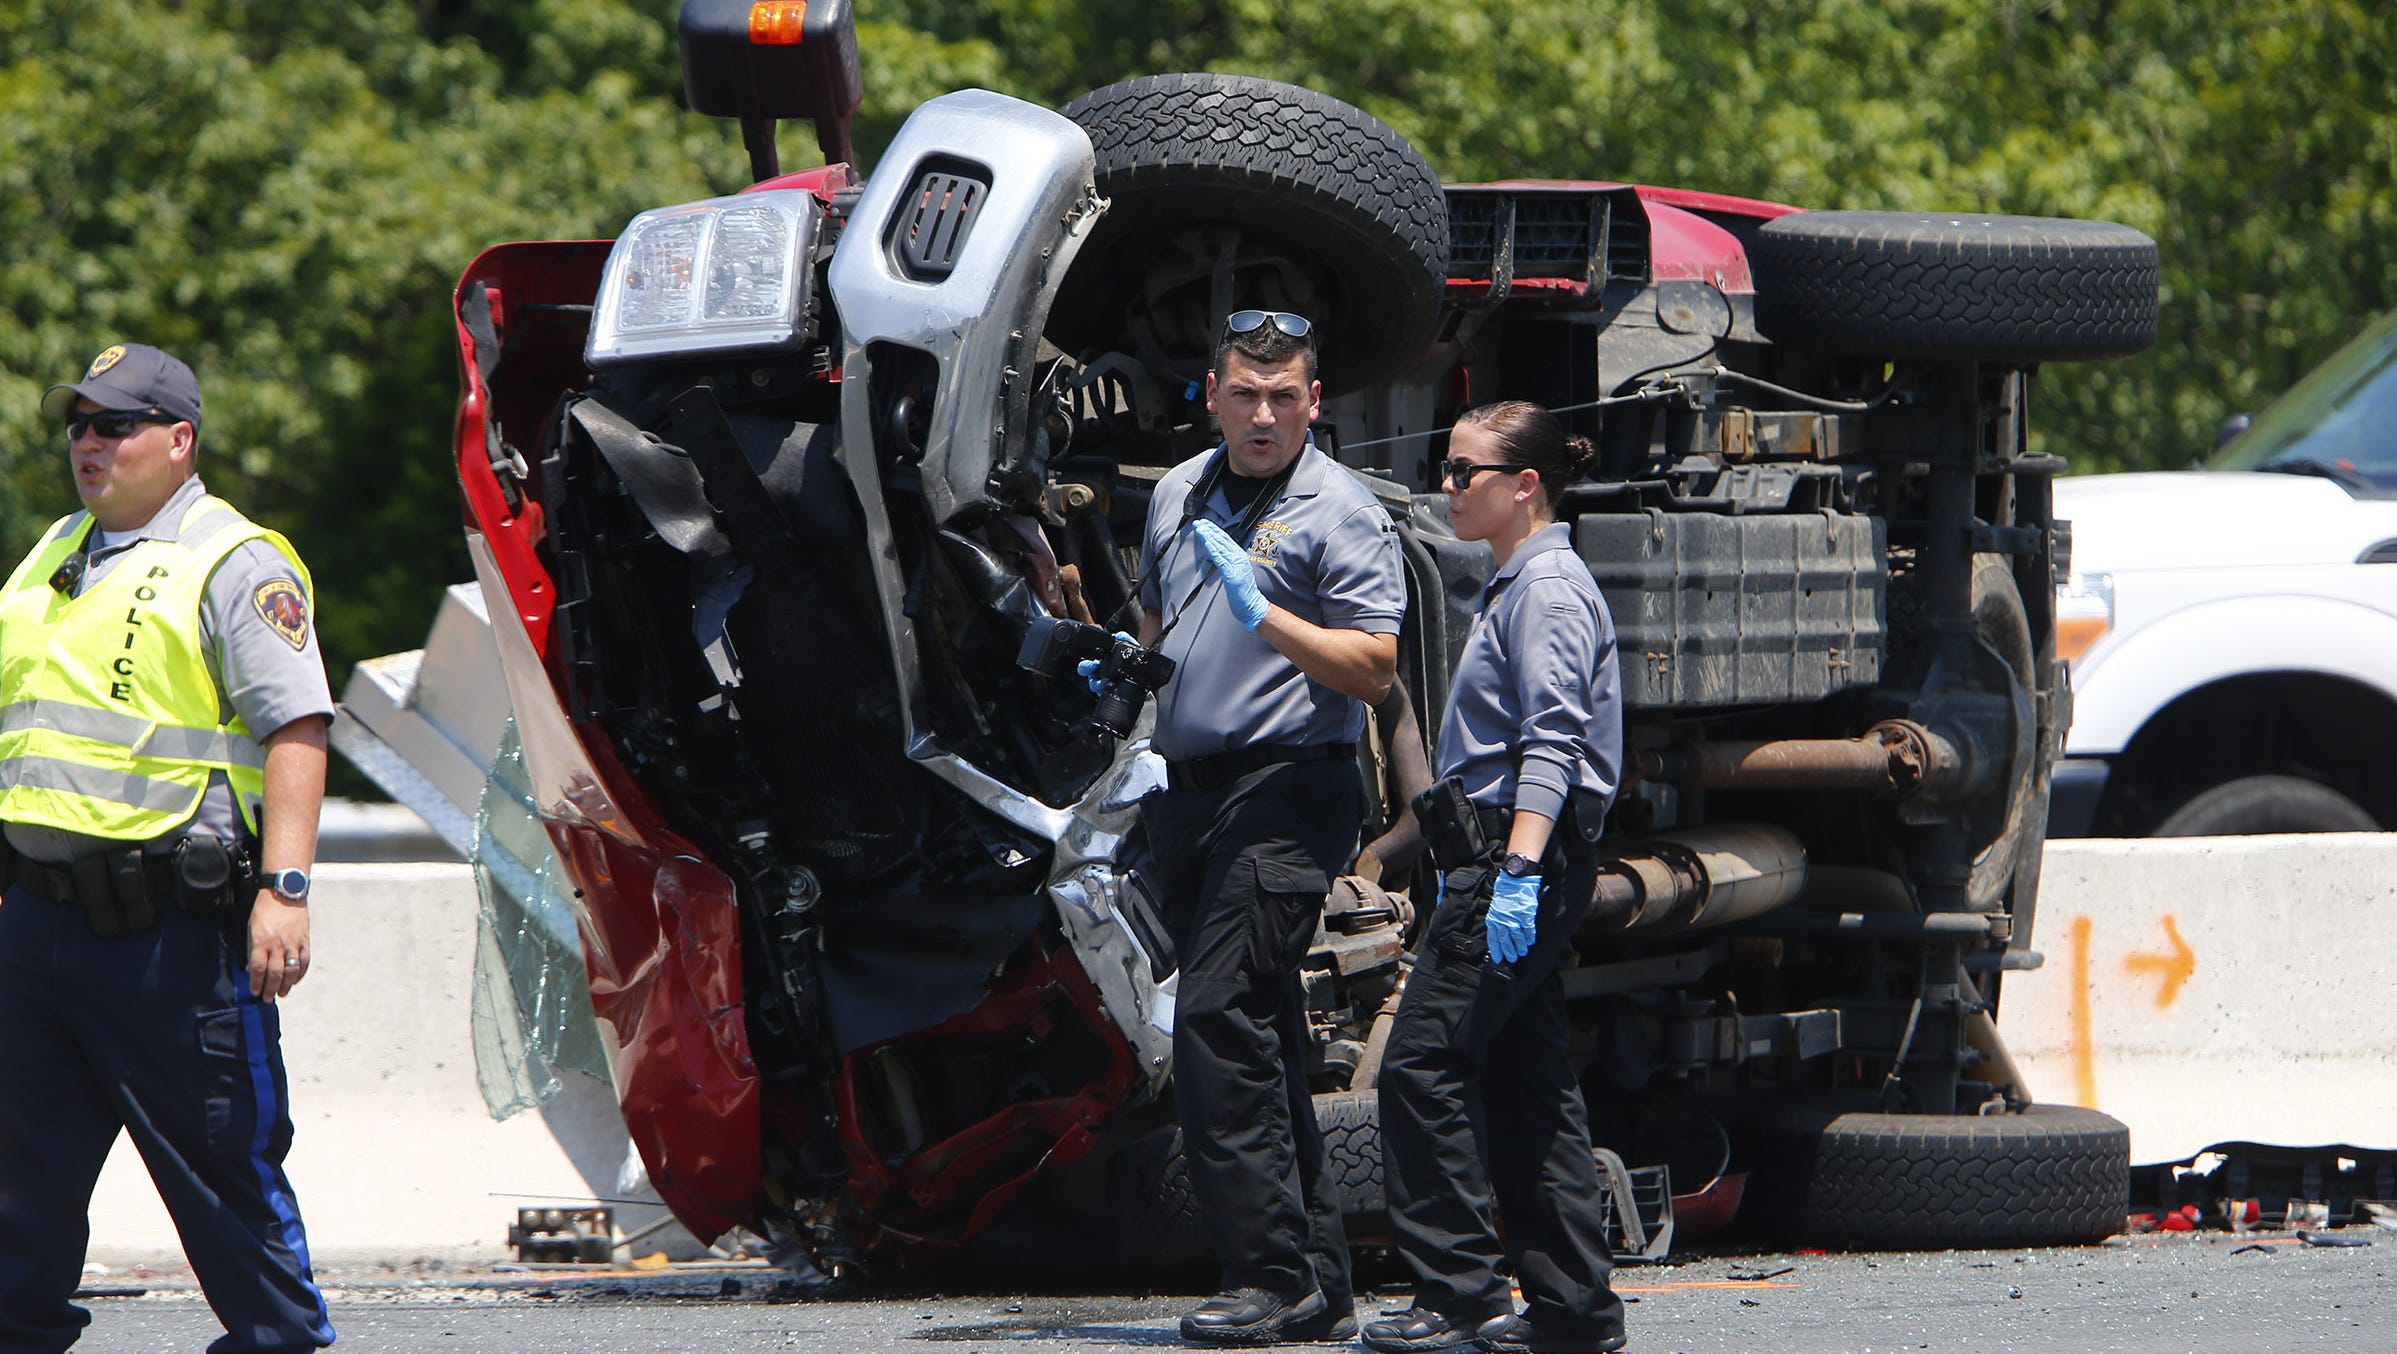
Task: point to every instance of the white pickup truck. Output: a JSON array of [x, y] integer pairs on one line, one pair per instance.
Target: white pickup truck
[[2232, 631]]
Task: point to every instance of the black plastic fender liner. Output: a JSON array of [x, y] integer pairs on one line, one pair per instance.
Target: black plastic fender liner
[[2009, 289], [898, 962], [1328, 211], [663, 483]]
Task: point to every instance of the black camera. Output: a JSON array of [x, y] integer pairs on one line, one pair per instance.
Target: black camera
[[1128, 670]]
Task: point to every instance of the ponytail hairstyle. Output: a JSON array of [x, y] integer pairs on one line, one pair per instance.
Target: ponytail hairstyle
[[1529, 435]]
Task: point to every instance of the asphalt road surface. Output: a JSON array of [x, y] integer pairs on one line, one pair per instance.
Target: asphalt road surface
[[2209, 1292]]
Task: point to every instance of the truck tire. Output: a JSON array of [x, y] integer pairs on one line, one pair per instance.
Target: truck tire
[[1153, 1208], [1351, 1123], [2051, 1175], [2254, 805], [1152, 1211], [2008, 289], [1317, 207]]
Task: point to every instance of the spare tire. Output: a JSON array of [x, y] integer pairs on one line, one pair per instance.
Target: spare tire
[[2008, 289], [2050, 1175], [1228, 191]]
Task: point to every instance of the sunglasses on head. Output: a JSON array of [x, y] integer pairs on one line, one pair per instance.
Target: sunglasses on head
[[1462, 472], [1250, 321], [113, 422]]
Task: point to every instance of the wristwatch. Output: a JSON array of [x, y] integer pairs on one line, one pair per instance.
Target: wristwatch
[[1518, 865], [289, 885]]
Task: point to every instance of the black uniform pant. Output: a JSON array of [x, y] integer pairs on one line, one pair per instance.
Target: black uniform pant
[[1244, 868], [1479, 1105], [155, 1034]]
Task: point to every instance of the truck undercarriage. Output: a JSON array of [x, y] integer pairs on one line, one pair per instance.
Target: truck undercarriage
[[774, 486]]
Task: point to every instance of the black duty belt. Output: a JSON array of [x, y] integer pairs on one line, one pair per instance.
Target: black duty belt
[[57, 882], [1461, 834], [1564, 843], [120, 891], [1211, 773], [1495, 823]]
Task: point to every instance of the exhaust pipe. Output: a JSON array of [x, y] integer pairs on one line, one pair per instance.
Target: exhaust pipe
[[1708, 876], [1896, 757]]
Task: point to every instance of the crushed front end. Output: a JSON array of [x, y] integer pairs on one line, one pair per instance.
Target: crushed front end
[[771, 488]]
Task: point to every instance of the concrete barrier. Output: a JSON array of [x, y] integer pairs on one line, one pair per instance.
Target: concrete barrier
[[2202, 990], [2209, 990], [394, 1156]]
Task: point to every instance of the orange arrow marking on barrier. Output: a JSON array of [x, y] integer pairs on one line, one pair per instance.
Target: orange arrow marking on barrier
[[2084, 1048], [2176, 966]]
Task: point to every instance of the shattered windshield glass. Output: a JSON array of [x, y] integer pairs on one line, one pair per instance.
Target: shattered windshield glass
[[532, 994], [2335, 423]]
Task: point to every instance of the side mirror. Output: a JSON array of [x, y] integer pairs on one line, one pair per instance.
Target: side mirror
[[762, 60]]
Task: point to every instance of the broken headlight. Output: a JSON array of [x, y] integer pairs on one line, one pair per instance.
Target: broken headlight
[[727, 275]]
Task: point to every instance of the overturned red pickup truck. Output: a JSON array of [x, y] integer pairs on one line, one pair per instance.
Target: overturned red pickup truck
[[766, 493]]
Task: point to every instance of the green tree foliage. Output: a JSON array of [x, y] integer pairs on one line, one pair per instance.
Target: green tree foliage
[[2255, 139], [285, 194]]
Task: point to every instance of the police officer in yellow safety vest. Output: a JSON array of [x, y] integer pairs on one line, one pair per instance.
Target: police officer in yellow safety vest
[[163, 711]]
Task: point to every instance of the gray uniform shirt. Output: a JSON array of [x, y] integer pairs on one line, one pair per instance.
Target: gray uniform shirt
[[1536, 709], [259, 674], [1325, 551]]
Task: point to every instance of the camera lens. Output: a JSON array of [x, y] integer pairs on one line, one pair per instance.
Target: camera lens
[[1118, 708]]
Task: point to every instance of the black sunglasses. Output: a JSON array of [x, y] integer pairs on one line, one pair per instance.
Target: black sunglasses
[[1462, 472], [114, 423], [1250, 321]]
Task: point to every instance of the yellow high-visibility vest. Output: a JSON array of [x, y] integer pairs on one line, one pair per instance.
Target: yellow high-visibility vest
[[108, 712]]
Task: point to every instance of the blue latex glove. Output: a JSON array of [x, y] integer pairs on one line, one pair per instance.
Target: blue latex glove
[[1089, 667], [1231, 564], [1514, 921]]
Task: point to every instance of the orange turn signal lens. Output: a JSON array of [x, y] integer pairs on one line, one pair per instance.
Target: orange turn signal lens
[[2074, 634], [2084, 613], [778, 23]]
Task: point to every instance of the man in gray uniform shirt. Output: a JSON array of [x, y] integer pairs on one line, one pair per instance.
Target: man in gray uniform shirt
[[163, 711], [1272, 578]]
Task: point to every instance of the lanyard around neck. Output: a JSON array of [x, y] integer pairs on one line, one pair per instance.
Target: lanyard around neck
[[1241, 530]]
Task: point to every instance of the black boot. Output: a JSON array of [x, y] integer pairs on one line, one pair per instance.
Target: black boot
[[1418, 1330], [1252, 1316], [1520, 1335]]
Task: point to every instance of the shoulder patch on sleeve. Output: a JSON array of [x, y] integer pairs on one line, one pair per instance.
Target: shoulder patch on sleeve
[[284, 608]]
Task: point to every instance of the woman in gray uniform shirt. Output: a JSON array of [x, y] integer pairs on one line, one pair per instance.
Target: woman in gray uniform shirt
[[1479, 1104]]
